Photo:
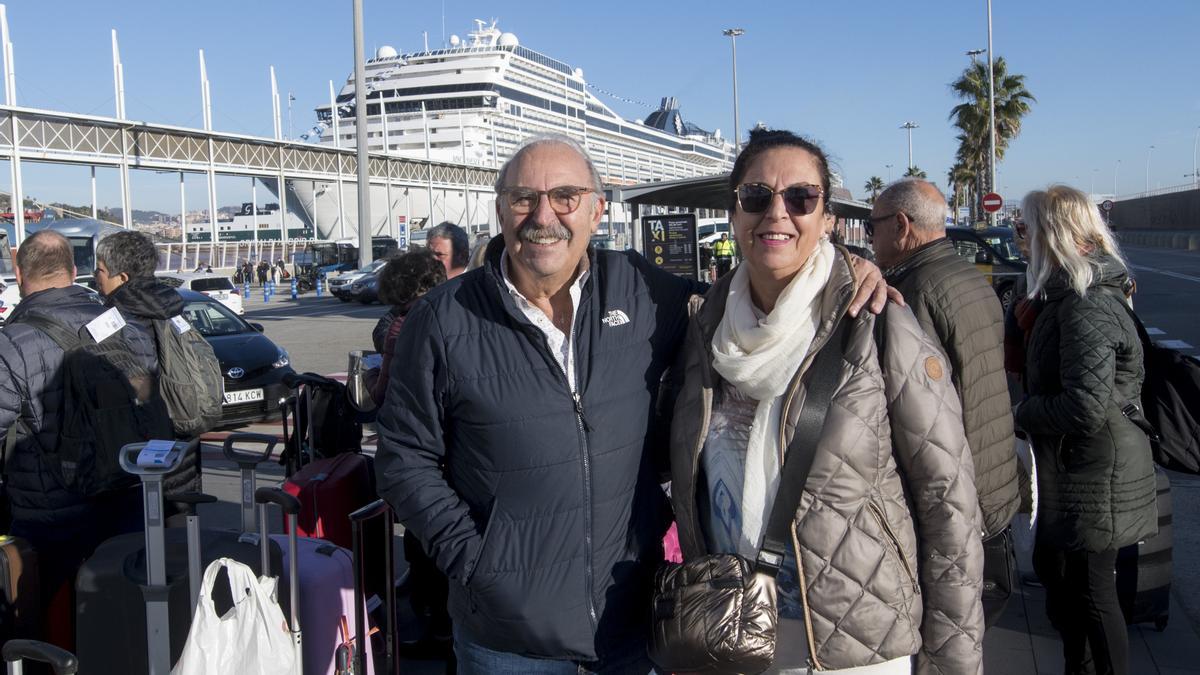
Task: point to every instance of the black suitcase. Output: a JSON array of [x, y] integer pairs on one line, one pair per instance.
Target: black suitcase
[[111, 605], [1144, 568]]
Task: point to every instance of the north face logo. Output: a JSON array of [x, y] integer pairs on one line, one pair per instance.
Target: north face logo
[[615, 318]]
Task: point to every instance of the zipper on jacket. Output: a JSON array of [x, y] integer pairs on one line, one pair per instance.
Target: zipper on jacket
[[877, 513], [582, 427]]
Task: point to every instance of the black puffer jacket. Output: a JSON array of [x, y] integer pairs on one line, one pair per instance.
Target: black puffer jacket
[[141, 301], [957, 307], [31, 387], [1095, 473], [543, 510]]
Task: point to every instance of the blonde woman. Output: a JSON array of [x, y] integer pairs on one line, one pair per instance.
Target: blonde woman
[[1083, 375]]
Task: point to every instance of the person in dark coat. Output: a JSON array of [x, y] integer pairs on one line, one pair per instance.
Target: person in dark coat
[[263, 268], [956, 305], [63, 527], [125, 263], [403, 281], [1095, 473]]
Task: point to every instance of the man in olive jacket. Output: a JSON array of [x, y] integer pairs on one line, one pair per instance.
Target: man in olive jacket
[[955, 305]]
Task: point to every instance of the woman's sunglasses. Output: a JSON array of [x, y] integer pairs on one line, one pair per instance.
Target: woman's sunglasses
[[800, 200]]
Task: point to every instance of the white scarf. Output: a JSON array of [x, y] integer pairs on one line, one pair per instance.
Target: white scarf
[[759, 356]]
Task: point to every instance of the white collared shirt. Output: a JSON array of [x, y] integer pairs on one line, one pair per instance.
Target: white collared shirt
[[562, 345]]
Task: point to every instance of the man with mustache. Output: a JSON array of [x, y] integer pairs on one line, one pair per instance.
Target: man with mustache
[[523, 436]]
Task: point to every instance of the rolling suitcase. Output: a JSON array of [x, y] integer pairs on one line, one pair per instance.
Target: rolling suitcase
[[320, 575], [61, 661], [1144, 569], [20, 607], [356, 652], [116, 588], [329, 488]]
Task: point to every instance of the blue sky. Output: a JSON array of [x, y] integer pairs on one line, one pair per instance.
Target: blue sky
[[1111, 78]]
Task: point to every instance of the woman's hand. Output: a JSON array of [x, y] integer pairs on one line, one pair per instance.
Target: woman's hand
[[871, 287]]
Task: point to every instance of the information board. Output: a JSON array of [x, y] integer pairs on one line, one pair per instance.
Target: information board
[[670, 243]]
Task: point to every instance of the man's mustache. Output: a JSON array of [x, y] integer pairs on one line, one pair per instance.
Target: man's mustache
[[529, 231]]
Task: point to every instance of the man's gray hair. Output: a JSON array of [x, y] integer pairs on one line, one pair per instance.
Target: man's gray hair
[[915, 198], [548, 139], [460, 247], [130, 252]]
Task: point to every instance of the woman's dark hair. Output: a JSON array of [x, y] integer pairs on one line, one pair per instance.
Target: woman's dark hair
[[408, 276], [762, 140]]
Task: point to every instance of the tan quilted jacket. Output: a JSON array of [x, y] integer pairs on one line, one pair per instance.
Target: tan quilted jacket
[[890, 566]]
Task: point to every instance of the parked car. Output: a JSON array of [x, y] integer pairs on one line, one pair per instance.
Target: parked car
[[339, 285], [216, 286], [252, 367], [993, 252], [366, 288]]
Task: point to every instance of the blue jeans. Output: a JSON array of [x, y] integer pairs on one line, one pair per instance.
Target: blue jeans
[[475, 659]]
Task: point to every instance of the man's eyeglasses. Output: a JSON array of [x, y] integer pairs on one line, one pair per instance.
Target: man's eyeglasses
[[869, 223], [563, 199], [800, 200]]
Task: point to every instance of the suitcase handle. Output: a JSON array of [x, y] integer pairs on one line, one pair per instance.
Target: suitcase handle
[[269, 495], [188, 501], [62, 661], [244, 458], [127, 457], [375, 509]]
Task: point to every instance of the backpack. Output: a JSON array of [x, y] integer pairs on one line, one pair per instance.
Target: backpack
[[1170, 411], [335, 427], [109, 401], [189, 377]]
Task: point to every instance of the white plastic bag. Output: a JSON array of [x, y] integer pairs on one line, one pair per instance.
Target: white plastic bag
[[251, 639]]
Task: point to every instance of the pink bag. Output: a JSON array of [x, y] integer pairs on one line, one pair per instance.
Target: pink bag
[[326, 595], [671, 550]]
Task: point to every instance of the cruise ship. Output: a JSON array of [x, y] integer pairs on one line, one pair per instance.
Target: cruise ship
[[473, 103]]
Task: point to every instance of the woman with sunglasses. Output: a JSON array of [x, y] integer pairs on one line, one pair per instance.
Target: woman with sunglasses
[[1083, 375], [885, 569]]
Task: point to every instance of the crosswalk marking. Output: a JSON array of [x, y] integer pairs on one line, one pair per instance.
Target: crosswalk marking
[[1150, 330], [1174, 344]]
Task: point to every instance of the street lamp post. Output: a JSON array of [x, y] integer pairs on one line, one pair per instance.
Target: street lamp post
[[889, 168], [360, 129], [991, 110], [1116, 170], [1149, 153], [733, 34], [1195, 146], [910, 125], [974, 53]]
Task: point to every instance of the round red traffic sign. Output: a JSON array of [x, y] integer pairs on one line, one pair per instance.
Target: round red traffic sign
[[1107, 205], [992, 202]]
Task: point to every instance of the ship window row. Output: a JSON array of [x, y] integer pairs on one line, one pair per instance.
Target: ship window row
[[528, 53], [631, 130], [540, 85]]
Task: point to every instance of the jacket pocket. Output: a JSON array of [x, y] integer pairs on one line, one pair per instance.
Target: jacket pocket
[[893, 543], [483, 544]]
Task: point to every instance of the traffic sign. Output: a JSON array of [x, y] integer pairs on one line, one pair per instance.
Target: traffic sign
[[992, 202], [1107, 205]]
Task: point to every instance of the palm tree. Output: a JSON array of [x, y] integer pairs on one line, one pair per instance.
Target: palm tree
[[971, 117], [873, 185], [915, 172]]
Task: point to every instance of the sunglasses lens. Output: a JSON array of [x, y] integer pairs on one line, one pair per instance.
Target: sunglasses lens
[[754, 198], [801, 200]]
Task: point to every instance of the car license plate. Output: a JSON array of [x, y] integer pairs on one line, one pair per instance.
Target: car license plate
[[243, 396]]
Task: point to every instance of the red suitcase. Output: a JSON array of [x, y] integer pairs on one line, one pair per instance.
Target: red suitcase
[[330, 490]]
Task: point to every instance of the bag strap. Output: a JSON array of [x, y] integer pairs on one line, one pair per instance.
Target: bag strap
[[824, 375]]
